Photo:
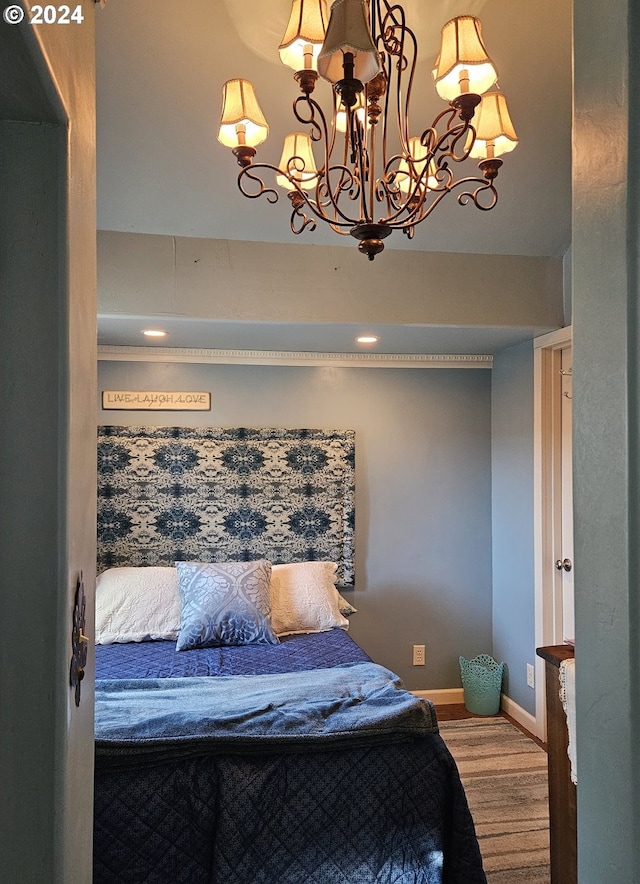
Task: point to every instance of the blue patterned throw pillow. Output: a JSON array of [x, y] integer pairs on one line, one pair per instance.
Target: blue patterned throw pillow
[[224, 603]]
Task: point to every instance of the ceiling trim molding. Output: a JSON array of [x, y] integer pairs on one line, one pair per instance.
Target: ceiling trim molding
[[283, 357]]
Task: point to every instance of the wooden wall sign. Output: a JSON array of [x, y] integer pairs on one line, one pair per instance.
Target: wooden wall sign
[[155, 400]]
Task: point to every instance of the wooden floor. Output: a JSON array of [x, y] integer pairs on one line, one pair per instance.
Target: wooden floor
[[457, 711], [453, 712]]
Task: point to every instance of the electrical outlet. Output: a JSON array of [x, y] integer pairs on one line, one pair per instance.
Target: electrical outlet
[[418, 655], [531, 675]]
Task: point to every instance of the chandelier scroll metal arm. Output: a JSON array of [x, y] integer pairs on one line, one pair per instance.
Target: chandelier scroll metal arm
[[299, 221], [249, 172], [299, 199], [416, 208], [406, 211], [490, 169], [329, 194], [454, 135], [318, 129], [395, 34], [361, 158]]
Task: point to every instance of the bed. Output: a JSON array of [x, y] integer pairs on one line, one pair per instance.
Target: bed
[[242, 736]]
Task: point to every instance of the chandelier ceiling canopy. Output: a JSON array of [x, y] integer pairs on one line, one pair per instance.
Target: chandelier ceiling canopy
[[361, 165]]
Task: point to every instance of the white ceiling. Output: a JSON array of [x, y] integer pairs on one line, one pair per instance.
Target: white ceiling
[[310, 337], [160, 68]]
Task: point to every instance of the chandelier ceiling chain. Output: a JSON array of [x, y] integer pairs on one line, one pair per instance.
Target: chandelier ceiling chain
[[376, 174]]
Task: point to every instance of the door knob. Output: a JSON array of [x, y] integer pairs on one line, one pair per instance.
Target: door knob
[[564, 564]]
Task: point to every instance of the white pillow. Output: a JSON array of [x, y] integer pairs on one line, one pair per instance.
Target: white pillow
[[137, 604], [304, 598], [346, 608]]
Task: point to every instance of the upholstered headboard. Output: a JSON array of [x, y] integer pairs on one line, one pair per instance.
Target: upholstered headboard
[[170, 494]]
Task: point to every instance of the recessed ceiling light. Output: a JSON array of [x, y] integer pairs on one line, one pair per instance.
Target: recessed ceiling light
[[367, 339], [154, 333]]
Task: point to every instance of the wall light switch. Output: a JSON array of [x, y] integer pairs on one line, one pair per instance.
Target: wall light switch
[[418, 655]]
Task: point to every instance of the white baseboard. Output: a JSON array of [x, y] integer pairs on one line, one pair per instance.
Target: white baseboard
[[447, 696], [516, 712], [442, 697]]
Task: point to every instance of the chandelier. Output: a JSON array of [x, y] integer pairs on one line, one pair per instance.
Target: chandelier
[[376, 173]]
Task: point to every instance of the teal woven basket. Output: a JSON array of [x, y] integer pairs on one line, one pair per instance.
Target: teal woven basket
[[482, 684]]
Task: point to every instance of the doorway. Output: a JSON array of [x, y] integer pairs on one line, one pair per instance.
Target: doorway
[[553, 500]]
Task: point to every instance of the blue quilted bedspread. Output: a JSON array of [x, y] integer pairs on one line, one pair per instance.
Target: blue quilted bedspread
[[354, 786], [295, 653]]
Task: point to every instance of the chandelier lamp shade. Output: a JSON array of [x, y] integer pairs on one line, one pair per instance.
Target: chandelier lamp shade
[[362, 167], [348, 37], [463, 64], [242, 126], [495, 134], [298, 162], [304, 37]]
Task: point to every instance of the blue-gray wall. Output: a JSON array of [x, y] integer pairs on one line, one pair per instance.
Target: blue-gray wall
[[47, 447], [606, 428], [512, 519], [423, 507]]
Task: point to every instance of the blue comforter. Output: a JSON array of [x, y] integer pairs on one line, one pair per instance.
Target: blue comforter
[[356, 704], [334, 775]]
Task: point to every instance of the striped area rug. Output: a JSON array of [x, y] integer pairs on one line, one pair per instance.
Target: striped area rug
[[505, 777]]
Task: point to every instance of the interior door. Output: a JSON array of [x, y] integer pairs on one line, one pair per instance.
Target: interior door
[[553, 501], [564, 562]]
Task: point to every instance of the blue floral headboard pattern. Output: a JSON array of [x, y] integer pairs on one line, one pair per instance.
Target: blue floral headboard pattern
[[170, 494]]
